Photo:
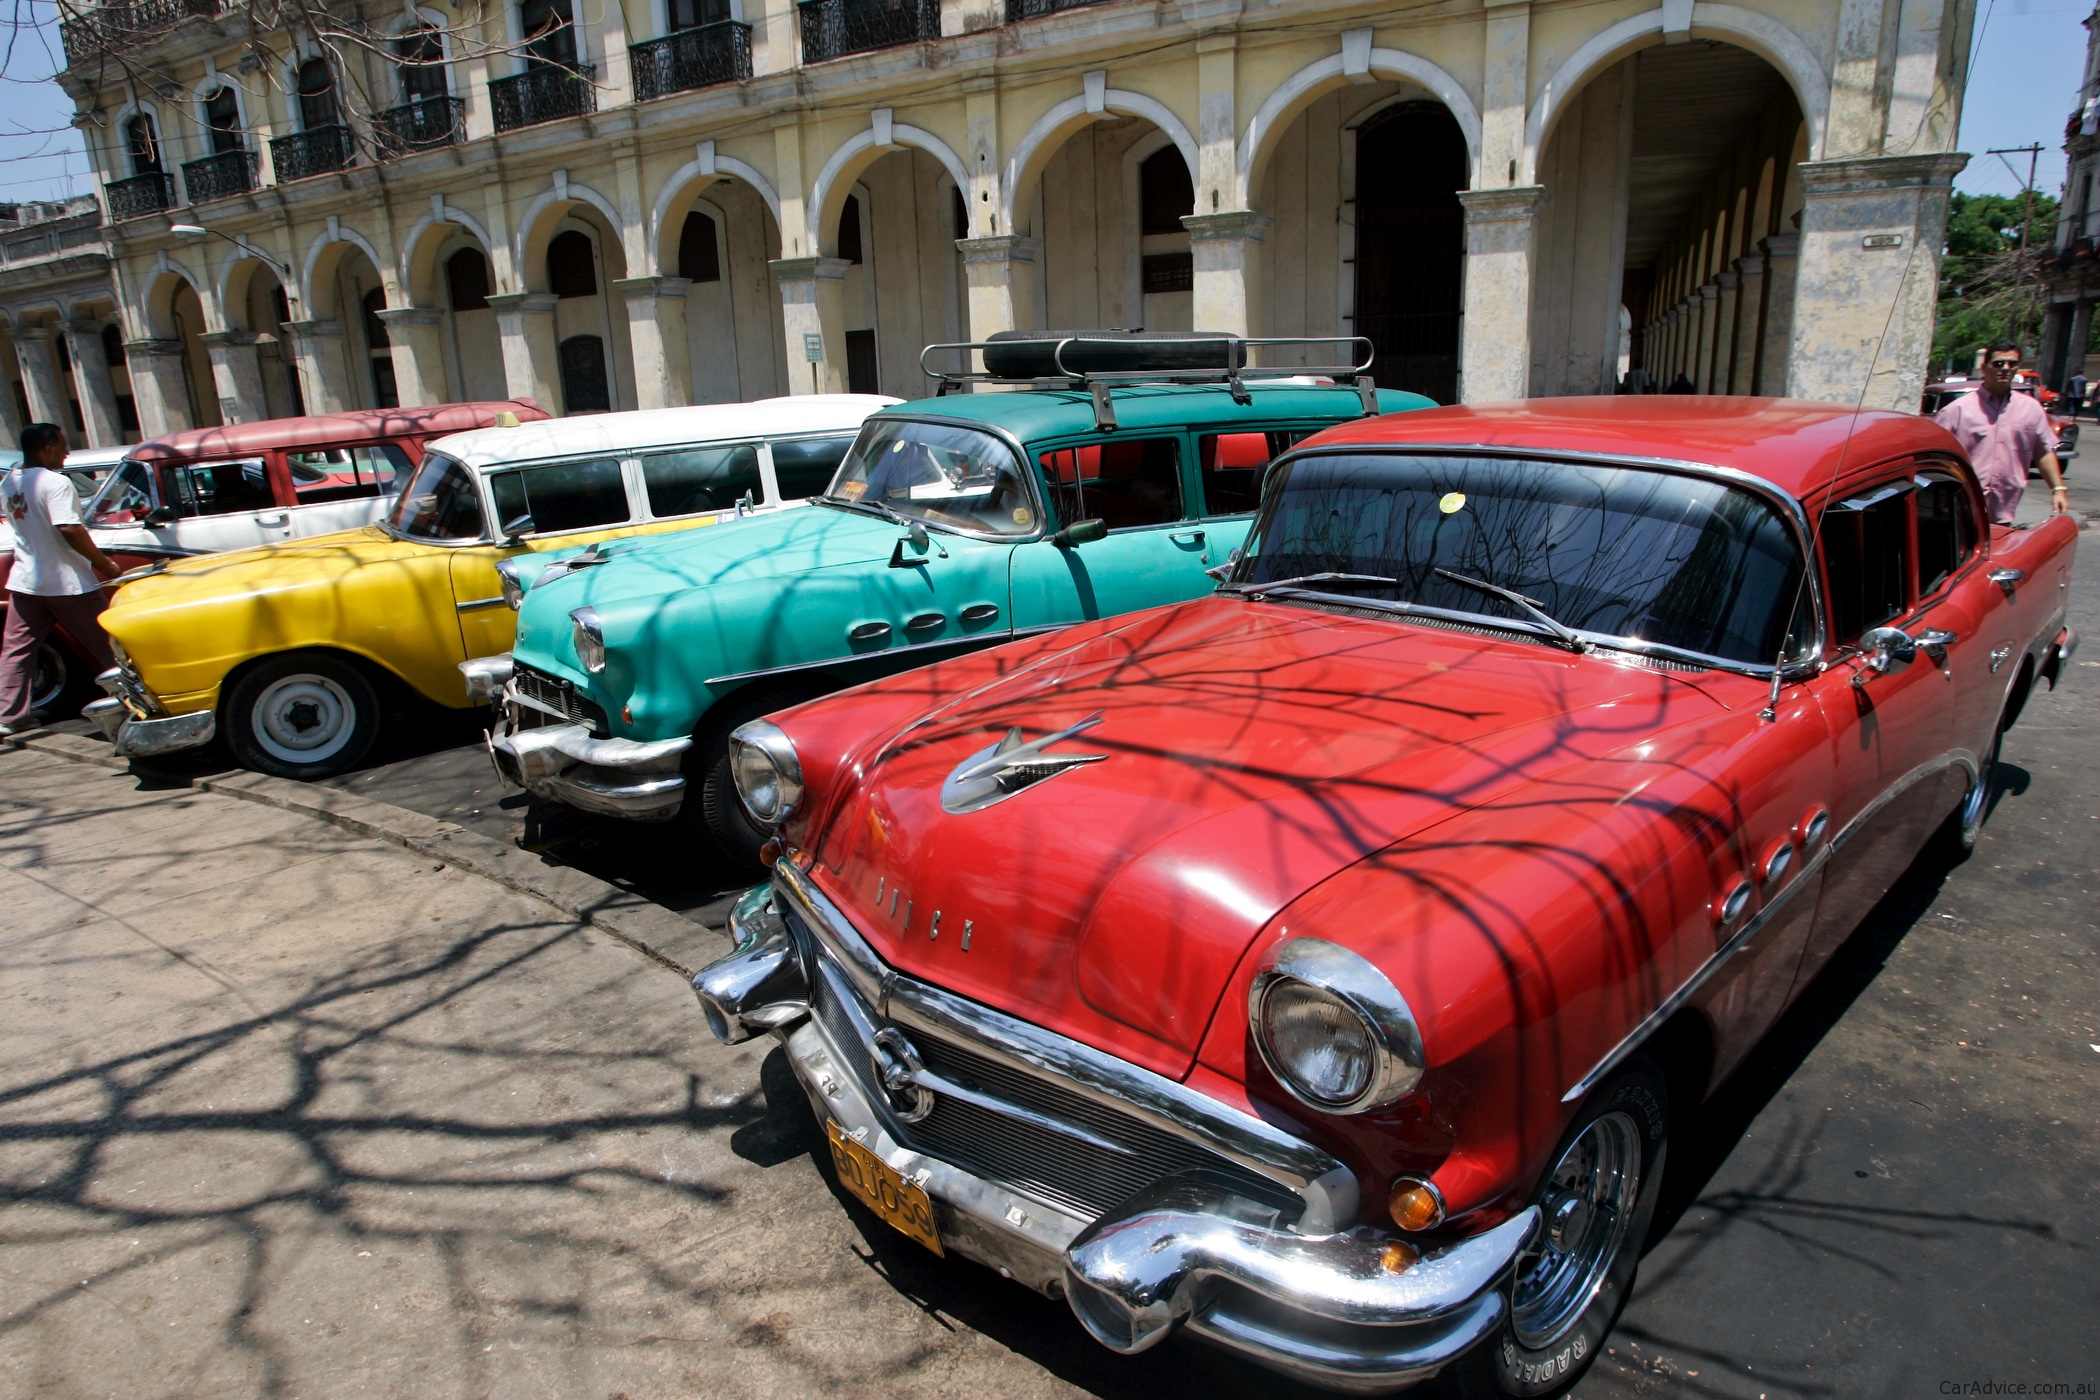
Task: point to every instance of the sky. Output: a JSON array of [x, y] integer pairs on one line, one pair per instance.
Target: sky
[[2023, 84]]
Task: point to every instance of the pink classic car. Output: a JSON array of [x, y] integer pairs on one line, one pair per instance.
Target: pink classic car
[[1317, 967]]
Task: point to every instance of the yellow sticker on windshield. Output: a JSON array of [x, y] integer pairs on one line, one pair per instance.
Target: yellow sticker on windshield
[[1021, 515], [897, 446], [1452, 503], [854, 490]]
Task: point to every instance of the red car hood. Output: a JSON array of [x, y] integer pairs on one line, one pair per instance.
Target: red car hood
[[1250, 752]]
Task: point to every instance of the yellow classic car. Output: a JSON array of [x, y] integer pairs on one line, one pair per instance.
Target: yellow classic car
[[287, 649]]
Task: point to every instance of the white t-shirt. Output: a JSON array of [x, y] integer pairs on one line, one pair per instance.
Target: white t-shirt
[[37, 502]]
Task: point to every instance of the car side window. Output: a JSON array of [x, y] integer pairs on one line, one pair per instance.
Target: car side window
[[1125, 482], [126, 498], [323, 474], [1866, 554], [805, 466], [695, 479], [223, 488], [1947, 530], [560, 496], [1234, 465]]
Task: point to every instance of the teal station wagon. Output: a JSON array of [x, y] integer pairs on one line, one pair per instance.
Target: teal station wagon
[[954, 522]]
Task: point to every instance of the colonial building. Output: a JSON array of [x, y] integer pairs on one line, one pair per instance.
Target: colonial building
[[2071, 280], [59, 312], [628, 203]]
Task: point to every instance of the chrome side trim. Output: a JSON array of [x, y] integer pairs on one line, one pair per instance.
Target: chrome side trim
[[1676, 1000], [477, 604], [1327, 1187], [990, 637]]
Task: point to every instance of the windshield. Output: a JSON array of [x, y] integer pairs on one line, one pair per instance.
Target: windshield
[[442, 503], [1609, 551], [126, 498], [958, 477]]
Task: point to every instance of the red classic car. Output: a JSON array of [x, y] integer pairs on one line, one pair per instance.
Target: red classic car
[[1317, 966]]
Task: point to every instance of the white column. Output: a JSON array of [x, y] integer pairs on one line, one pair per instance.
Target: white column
[[1872, 231], [236, 372], [416, 337], [1226, 250], [1495, 357], [656, 333], [1725, 310], [159, 387], [324, 371], [525, 327], [1001, 275], [813, 316], [91, 382], [40, 378]]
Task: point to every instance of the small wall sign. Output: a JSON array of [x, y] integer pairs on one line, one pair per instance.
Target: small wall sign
[[1882, 240], [813, 347]]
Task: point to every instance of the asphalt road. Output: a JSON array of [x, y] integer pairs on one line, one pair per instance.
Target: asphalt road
[[1894, 1197]]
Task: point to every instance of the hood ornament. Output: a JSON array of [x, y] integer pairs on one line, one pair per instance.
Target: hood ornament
[[991, 775]]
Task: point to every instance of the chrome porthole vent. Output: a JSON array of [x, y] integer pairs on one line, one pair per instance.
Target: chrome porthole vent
[[898, 1065]]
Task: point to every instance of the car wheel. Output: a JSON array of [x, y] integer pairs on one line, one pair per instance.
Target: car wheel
[[1956, 837], [301, 716], [1571, 1281], [721, 811], [61, 684]]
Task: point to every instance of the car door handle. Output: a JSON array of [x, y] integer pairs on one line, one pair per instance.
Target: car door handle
[[277, 519], [2008, 579], [1998, 655], [1934, 641], [1187, 537]]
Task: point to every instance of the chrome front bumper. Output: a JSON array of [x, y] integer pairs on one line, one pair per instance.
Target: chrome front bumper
[[151, 738], [611, 777], [1311, 1299]]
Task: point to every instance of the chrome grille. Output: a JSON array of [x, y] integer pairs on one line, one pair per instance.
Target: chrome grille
[[1082, 1177], [556, 694]]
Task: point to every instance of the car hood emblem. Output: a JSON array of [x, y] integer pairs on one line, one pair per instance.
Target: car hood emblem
[[991, 775]]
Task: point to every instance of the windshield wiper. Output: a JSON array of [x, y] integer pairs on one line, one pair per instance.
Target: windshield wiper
[[1561, 632], [1358, 580], [877, 507]]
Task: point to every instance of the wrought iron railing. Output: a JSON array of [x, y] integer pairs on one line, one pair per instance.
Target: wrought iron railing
[[125, 23], [835, 28], [1018, 10], [692, 58], [217, 177], [141, 194], [315, 151], [422, 125], [545, 93]]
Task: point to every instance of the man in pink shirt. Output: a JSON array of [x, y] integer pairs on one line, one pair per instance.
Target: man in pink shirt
[[2004, 433]]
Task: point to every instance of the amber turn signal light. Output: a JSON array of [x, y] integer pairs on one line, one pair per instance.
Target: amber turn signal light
[[769, 854], [1415, 1204], [1398, 1258]]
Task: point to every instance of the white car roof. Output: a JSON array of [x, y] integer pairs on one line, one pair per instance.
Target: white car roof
[[86, 458], [641, 429]]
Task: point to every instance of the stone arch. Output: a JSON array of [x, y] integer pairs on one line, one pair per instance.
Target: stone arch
[[686, 185], [1316, 79], [1042, 141], [1770, 40], [827, 197], [601, 315], [323, 254], [544, 215], [163, 280], [417, 273]]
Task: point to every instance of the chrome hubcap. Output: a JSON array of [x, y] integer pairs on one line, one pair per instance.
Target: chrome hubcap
[[1587, 1204], [304, 719]]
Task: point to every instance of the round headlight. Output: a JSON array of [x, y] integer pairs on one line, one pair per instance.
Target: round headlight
[[1332, 1028], [507, 580], [1317, 1042], [589, 639], [768, 775]]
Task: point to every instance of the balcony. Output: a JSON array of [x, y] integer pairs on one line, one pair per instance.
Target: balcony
[[423, 125], [545, 93], [108, 28], [1018, 10], [219, 177], [692, 58], [320, 150], [835, 28], [141, 194]]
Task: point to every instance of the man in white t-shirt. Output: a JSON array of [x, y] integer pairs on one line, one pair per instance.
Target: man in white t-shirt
[[58, 571]]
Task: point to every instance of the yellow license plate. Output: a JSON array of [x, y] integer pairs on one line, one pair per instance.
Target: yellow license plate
[[903, 1204]]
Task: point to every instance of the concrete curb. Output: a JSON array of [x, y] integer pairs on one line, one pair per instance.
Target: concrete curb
[[651, 930]]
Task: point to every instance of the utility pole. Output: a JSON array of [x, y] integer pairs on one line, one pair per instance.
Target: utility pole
[[2034, 155]]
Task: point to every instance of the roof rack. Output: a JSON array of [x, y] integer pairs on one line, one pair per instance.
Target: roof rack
[[1098, 361]]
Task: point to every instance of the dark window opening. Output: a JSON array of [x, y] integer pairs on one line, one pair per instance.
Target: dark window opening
[[862, 377], [371, 304], [1169, 272], [422, 56], [1234, 465], [1126, 482], [317, 105], [127, 413], [570, 270], [962, 215], [849, 230], [699, 255], [60, 343], [280, 306], [467, 280], [144, 146], [222, 116], [1165, 192], [583, 384], [550, 33], [691, 14], [112, 345], [1411, 162], [1866, 553]]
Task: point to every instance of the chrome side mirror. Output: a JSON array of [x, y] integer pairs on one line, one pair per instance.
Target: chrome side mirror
[[1885, 650]]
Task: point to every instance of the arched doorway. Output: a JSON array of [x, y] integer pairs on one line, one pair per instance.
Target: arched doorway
[[1411, 162], [186, 311]]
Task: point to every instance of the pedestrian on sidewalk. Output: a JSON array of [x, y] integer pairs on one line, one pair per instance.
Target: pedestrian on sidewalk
[[2075, 391], [2004, 433], [58, 571]]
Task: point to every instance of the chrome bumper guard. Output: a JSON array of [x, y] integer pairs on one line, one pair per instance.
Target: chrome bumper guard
[[1313, 1299], [107, 714], [486, 676], [151, 738], [611, 777]]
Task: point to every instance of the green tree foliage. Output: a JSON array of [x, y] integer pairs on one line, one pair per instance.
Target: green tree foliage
[[1988, 290]]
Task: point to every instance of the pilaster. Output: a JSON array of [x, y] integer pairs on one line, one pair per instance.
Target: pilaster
[[319, 351], [236, 372], [159, 386], [525, 329], [40, 378], [1001, 274], [417, 335], [1775, 340], [1226, 251], [1501, 229], [813, 315], [1749, 311], [656, 334], [91, 382]]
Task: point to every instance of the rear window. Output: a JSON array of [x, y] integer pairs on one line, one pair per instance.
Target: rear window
[[805, 466], [1126, 482], [560, 496], [697, 479], [323, 474], [442, 503]]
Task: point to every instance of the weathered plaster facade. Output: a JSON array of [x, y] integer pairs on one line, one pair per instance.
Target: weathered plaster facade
[[61, 340], [1014, 173]]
